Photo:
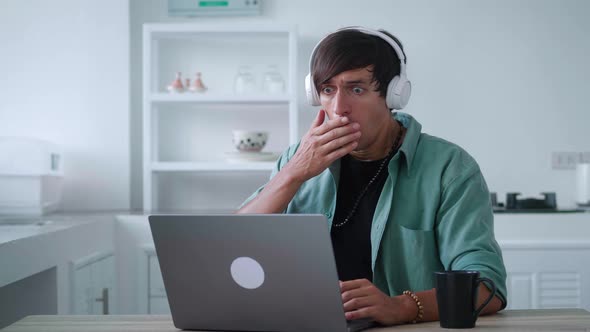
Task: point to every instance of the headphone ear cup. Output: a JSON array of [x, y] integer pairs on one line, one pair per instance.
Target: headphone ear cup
[[311, 92], [406, 92], [398, 92], [391, 98]]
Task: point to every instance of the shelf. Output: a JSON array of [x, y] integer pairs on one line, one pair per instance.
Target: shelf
[[211, 166], [219, 98], [172, 119]]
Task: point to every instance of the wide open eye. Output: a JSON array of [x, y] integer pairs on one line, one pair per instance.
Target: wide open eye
[[357, 90], [327, 90]]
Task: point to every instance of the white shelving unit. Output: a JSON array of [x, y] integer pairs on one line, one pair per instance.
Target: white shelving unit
[[217, 52], [219, 99]]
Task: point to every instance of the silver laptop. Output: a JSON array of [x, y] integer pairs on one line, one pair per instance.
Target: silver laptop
[[250, 273]]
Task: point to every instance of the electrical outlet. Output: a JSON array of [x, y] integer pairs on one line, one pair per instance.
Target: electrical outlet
[[568, 160], [564, 160]]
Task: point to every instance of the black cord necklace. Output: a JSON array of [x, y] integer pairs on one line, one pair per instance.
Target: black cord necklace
[[394, 149]]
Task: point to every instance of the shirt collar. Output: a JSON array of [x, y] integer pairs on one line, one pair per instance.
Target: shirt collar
[[414, 129]]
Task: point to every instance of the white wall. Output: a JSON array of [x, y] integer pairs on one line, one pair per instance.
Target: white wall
[[505, 79], [64, 68]]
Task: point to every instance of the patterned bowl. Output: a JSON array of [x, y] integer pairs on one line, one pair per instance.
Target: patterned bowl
[[249, 141]]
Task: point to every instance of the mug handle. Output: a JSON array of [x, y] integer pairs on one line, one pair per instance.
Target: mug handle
[[491, 283]]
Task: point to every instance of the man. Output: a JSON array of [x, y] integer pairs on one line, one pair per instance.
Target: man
[[401, 204]]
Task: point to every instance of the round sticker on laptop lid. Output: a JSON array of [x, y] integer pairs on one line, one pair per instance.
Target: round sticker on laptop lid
[[247, 272]]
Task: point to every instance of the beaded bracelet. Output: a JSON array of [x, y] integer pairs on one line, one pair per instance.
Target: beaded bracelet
[[418, 304]]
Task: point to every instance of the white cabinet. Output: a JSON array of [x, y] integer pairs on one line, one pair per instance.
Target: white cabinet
[[92, 284], [158, 301], [546, 257], [82, 302], [547, 275], [191, 132], [152, 298]]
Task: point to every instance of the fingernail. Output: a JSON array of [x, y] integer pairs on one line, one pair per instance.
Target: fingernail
[[344, 119], [356, 126]]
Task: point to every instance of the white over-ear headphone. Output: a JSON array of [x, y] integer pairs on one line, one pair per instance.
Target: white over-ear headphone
[[398, 89]]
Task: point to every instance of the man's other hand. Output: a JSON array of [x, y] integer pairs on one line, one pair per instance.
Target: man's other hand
[[362, 299]]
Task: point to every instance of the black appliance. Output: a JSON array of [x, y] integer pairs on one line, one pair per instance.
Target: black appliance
[[515, 204]]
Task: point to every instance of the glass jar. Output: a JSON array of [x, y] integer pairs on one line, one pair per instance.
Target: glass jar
[[273, 82], [245, 82]]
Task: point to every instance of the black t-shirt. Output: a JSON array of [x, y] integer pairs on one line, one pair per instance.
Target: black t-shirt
[[352, 241]]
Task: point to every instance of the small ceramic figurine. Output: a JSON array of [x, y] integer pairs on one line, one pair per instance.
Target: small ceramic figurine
[[198, 85], [187, 83], [176, 85]]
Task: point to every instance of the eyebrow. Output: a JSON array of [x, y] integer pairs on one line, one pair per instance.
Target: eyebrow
[[361, 81], [355, 82]]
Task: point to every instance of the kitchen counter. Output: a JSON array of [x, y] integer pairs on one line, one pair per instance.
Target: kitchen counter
[[29, 246], [33, 246], [542, 227], [13, 228], [510, 320], [533, 211], [11, 232]]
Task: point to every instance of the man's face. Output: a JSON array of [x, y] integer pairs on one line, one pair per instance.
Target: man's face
[[352, 94]]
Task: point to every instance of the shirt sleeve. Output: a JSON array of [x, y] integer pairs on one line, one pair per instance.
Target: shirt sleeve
[[465, 226], [283, 159]]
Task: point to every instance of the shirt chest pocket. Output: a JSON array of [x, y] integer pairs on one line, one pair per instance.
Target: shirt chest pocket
[[417, 242], [420, 252]]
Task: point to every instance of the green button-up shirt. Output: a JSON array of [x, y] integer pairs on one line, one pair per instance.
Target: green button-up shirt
[[434, 213]]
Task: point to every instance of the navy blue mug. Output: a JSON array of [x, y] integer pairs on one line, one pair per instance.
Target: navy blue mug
[[456, 295]]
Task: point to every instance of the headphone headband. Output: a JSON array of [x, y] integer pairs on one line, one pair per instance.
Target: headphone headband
[[386, 38]]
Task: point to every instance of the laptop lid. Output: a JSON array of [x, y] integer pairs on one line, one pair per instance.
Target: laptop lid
[[249, 272]]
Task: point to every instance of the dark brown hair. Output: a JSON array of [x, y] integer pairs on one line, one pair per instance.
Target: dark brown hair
[[352, 49]]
